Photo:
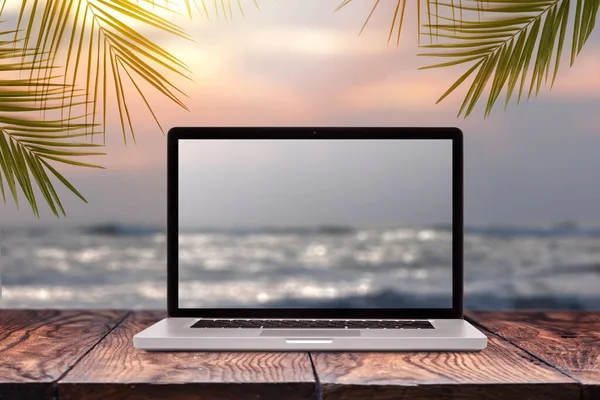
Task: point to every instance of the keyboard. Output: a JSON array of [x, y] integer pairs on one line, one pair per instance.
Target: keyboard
[[310, 324]]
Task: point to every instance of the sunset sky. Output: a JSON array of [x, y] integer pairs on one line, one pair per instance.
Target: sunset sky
[[298, 63]]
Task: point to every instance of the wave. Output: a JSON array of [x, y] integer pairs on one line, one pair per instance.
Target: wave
[[542, 232], [473, 302], [560, 230], [121, 230], [277, 230]]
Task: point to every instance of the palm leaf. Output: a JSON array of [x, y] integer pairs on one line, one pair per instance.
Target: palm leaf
[[30, 142], [515, 45], [81, 34], [93, 45], [225, 8], [397, 9], [205, 8]]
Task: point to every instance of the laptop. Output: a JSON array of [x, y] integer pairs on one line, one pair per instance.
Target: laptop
[[328, 239]]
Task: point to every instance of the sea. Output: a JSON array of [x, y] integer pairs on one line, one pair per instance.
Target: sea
[[119, 266]]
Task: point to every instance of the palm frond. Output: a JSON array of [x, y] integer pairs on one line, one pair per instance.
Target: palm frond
[[29, 142], [82, 35], [506, 40], [205, 8], [225, 8], [397, 9], [77, 56]]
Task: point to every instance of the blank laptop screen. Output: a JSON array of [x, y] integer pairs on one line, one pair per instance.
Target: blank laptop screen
[[315, 223]]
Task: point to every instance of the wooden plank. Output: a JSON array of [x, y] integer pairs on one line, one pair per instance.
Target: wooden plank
[[38, 346], [115, 370], [569, 341], [501, 371]]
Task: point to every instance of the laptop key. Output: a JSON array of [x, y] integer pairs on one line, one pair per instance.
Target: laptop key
[[311, 324]]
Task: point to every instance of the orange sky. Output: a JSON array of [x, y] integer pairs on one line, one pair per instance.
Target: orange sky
[[297, 63]]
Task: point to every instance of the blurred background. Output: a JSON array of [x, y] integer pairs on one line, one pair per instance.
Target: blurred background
[[315, 223], [531, 182]]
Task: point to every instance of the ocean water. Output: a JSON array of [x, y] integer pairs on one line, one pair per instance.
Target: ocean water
[[125, 267]]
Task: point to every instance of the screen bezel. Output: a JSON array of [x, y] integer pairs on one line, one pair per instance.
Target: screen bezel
[[297, 133]]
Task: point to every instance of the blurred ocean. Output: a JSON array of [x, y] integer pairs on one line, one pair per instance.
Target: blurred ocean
[[113, 266]]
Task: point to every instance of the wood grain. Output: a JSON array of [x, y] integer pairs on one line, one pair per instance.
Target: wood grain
[[52, 354], [116, 370], [569, 341], [501, 371], [38, 346]]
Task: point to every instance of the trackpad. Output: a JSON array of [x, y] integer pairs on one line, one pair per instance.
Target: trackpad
[[310, 332]]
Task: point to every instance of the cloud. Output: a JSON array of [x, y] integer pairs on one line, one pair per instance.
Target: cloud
[[300, 42], [394, 94], [413, 90], [297, 63]]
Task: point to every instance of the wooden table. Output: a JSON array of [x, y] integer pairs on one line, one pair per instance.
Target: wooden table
[[82, 354]]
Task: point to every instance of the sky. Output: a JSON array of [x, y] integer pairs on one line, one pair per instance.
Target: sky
[[297, 63], [250, 183]]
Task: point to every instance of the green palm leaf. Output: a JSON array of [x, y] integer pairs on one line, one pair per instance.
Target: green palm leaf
[[501, 41], [81, 55], [398, 8], [94, 41], [31, 142], [514, 45]]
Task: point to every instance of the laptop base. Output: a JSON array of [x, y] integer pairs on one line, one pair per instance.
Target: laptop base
[[176, 334]]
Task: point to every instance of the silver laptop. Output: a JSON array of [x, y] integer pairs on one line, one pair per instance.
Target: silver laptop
[[321, 239]]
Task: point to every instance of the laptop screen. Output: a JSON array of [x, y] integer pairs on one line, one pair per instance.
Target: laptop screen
[[315, 223]]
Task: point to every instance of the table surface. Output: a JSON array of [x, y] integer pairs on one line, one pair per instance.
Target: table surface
[[88, 354]]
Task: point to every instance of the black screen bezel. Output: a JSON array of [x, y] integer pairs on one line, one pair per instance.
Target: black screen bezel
[[185, 133]]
